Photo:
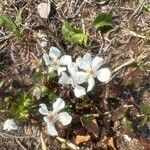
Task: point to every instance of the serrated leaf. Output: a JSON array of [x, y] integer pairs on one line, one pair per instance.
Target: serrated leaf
[[145, 109], [74, 35], [103, 20]]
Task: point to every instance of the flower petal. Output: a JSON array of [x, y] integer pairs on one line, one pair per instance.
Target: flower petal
[[79, 91], [65, 60], [72, 68], [60, 70], [64, 79], [10, 124], [43, 109], [85, 62], [58, 105], [50, 127], [64, 118], [97, 62], [91, 84], [46, 59], [79, 77], [54, 52], [104, 75]]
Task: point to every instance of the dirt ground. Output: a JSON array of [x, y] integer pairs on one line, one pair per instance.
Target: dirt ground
[[126, 49]]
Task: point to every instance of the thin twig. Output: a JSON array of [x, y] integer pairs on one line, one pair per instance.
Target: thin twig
[[72, 146], [137, 11], [19, 143], [131, 61]]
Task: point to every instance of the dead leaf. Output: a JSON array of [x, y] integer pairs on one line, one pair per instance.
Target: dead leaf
[[82, 138], [109, 141], [120, 112], [91, 125], [44, 10]]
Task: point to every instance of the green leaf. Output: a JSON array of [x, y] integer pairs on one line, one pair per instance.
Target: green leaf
[[1, 84], [7, 22], [74, 35], [144, 121], [103, 20], [146, 5], [127, 125], [18, 20], [51, 75], [145, 109], [22, 107]]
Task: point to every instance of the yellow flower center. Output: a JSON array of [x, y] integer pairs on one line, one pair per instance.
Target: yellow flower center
[[91, 73]]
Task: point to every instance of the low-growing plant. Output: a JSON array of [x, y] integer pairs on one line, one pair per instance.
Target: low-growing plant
[[74, 35], [12, 25], [103, 21], [22, 106]]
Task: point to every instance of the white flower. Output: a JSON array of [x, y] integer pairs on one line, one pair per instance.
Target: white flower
[[10, 124], [54, 61], [75, 78], [51, 117], [91, 68]]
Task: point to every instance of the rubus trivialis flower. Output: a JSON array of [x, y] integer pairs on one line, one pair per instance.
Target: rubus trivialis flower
[[91, 67], [74, 78], [51, 117], [54, 61], [9, 125]]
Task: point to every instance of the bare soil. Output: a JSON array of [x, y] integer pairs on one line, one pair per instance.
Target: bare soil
[[118, 46]]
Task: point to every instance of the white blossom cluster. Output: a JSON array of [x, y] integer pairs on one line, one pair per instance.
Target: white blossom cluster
[[83, 70]]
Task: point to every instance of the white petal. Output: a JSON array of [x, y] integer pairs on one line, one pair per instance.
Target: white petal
[[87, 57], [85, 62], [65, 60], [58, 105], [64, 118], [97, 62], [46, 59], [10, 124], [50, 127], [64, 79], [79, 77], [44, 10], [43, 109], [91, 84], [79, 91], [72, 68], [104, 75], [54, 52], [60, 70]]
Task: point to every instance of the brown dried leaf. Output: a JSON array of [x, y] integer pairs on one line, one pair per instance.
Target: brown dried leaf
[[81, 139], [109, 141], [91, 125]]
